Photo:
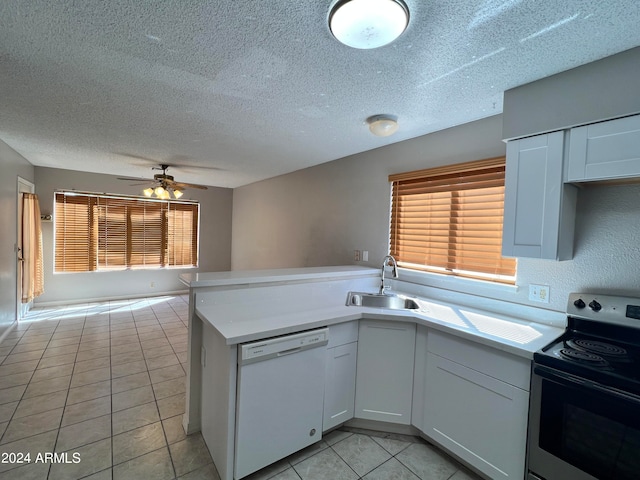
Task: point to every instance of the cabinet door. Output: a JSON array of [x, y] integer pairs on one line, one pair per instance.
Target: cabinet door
[[478, 418], [539, 209], [340, 385], [384, 379], [606, 150]]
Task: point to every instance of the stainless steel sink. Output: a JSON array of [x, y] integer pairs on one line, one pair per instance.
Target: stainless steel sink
[[392, 302]]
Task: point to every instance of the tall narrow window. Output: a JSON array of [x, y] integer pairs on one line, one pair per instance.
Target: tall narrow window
[[448, 220], [110, 232]]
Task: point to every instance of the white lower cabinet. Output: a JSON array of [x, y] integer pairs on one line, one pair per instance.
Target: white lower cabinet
[[340, 375], [384, 378], [340, 385], [478, 417]]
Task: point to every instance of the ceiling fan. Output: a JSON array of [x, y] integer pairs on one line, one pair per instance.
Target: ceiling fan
[[163, 185]]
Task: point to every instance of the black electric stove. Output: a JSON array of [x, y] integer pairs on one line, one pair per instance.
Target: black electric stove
[[584, 413], [601, 343]]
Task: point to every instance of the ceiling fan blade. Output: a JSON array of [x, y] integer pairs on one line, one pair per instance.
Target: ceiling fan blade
[[189, 185], [135, 179]]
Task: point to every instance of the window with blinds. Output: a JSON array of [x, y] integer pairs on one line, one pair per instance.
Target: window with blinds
[[448, 220], [96, 232]]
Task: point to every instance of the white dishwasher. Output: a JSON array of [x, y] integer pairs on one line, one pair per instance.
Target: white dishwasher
[[279, 398]]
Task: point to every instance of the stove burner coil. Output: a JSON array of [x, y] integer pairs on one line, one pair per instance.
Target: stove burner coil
[[584, 357], [597, 347]]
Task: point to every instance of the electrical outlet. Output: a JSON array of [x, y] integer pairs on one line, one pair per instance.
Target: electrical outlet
[[539, 293], [152, 284], [356, 255]]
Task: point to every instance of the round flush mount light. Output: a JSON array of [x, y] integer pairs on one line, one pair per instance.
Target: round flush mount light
[[368, 24], [383, 125]]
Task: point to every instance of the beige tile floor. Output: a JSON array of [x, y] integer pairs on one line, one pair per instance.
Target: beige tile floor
[[102, 385], [352, 454]]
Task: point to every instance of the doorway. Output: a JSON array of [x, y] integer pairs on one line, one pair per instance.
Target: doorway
[[24, 186]]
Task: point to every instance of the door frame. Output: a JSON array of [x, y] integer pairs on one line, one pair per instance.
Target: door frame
[[23, 186]]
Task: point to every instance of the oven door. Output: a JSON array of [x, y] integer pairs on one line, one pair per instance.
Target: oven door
[[581, 430]]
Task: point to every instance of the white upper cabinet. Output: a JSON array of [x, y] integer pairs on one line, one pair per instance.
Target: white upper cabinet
[[605, 150], [539, 209]]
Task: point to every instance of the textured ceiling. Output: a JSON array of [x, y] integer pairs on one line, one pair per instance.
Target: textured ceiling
[[242, 90]]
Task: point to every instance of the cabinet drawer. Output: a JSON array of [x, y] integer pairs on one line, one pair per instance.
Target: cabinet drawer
[[508, 368], [342, 333]]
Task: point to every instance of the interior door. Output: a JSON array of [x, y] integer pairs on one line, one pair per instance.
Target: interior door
[[24, 186]]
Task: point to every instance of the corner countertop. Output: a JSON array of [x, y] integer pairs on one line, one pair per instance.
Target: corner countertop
[[247, 277], [255, 322]]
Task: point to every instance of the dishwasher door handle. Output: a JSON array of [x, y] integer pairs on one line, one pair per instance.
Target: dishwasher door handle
[[289, 352]]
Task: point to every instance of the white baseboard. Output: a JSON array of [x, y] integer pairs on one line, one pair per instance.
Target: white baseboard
[[7, 331], [58, 303], [379, 426]]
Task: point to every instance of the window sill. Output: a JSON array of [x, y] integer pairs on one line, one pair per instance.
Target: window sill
[[458, 284], [133, 269]]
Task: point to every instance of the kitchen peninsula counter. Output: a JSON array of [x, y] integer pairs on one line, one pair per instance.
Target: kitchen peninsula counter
[[239, 307]]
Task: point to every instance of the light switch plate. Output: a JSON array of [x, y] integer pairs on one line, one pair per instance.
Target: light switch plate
[[539, 293]]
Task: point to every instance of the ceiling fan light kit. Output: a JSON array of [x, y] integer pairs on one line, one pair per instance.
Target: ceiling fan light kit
[[367, 24], [164, 185]]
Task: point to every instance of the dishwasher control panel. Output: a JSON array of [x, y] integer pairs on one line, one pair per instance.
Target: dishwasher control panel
[[280, 346]]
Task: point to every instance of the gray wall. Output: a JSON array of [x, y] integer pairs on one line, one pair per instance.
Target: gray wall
[[319, 215], [607, 88], [12, 165], [215, 241]]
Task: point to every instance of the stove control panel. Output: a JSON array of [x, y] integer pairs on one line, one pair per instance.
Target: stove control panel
[[605, 308]]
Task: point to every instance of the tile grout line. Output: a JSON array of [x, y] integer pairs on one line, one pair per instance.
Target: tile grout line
[[147, 371], [111, 390], [64, 409], [87, 329], [27, 385], [30, 380], [164, 433]]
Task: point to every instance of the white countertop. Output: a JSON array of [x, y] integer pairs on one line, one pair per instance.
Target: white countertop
[[246, 277], [259, 321]]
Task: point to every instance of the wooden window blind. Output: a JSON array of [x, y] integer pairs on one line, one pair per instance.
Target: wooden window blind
[[109, 232], [449, 220]]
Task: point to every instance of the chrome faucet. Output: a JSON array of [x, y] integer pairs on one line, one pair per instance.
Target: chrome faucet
[[385, 262]]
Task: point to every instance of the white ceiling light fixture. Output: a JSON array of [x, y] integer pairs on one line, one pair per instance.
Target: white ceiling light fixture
[[368, 24], [383, 125]]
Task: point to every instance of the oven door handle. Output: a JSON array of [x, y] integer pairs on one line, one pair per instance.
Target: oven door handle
[[567, 378]]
